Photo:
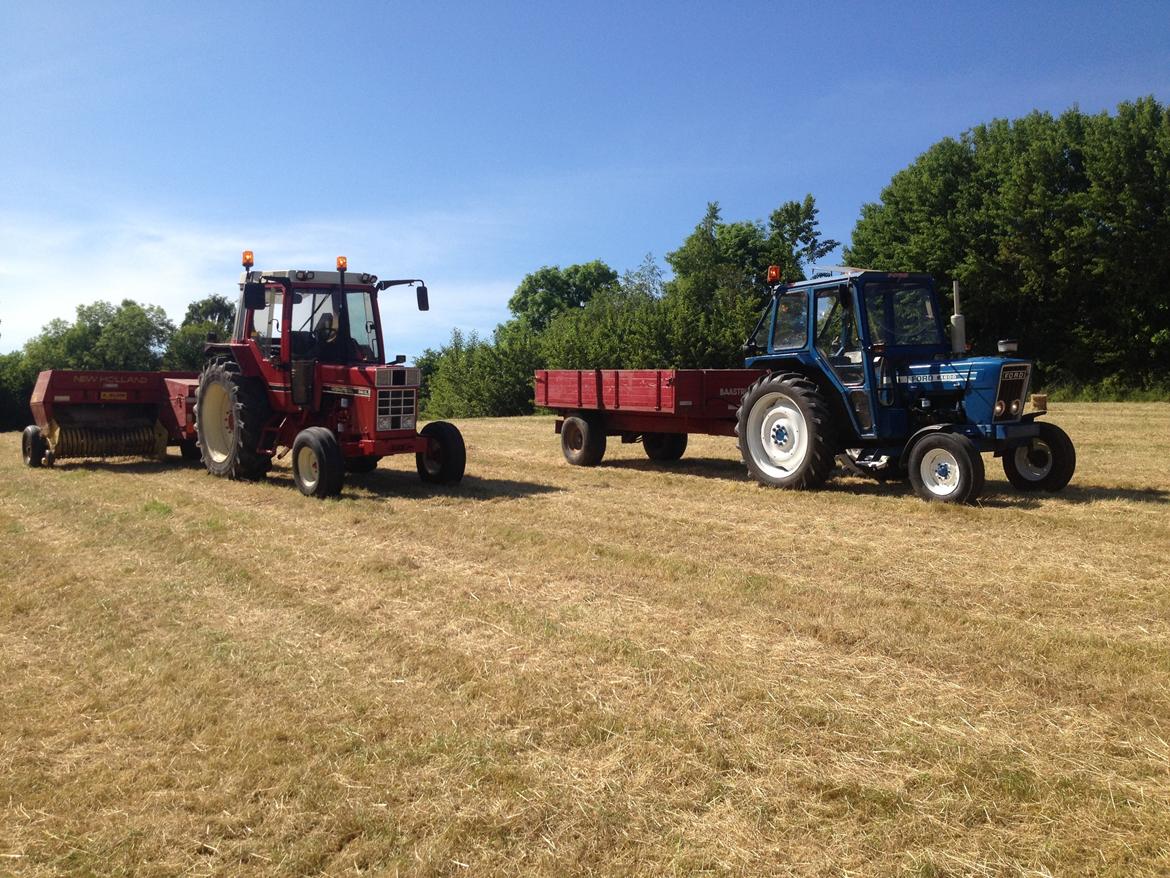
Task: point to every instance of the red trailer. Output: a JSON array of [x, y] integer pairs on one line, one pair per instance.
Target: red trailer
[[111, 414], [658, 406]]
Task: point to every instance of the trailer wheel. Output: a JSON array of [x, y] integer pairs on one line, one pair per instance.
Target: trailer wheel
[[317, 465], [583, 440], [231, 412], [664, 446], [1046, 463], [946, 468], [786, 433], [361, 465], [446, 456], [33, 446]]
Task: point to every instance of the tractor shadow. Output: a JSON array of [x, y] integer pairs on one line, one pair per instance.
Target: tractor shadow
[[386, 484], [704, 467], [134, 466]]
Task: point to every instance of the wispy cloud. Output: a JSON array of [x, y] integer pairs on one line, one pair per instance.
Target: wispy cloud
[[49, 266]]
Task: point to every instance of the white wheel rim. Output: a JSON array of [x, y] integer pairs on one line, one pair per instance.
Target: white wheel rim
[[940, 472], [308, 467], [218, 422], [1025, 458], [777, 435]]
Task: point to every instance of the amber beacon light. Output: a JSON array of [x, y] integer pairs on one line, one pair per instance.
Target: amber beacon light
[[342, 263], [247, 260]]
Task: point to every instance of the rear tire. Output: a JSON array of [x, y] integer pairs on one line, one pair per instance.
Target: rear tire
[[946, 468], [230, 415], [445, 459], [1046, 463], [583, 440], [785, 432], [664, 447], [318, 468], [33, 446]]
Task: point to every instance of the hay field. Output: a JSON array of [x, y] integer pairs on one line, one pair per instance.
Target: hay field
[[629, 670]]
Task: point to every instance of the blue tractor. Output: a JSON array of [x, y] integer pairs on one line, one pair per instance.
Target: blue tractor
[[861, 372]]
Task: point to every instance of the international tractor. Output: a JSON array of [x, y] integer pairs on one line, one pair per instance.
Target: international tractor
[[854, 369], [305, 371]]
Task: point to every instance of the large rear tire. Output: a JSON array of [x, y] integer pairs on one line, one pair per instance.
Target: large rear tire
[[664, 447], [583, 439], [445, 459], [317, 464], [946, 468], [33, 446], [1046, 463], [785, 432], [231, 412]]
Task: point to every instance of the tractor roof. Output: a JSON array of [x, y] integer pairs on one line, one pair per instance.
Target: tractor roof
[[845, 273], [304, 275]]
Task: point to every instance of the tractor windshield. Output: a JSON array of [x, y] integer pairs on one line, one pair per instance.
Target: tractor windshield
[[318, 333], [902, 314]]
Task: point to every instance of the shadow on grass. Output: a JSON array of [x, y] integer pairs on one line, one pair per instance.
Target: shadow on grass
[[137, 466], [386, 484], [706, 467], [1090, 493]]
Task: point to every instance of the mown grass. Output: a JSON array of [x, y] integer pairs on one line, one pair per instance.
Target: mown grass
[[632, 669]]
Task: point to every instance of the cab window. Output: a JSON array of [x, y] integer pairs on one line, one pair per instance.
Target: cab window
[[791, 329], [837, 338]]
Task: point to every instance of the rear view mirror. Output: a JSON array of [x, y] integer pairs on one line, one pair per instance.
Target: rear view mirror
[[255, 297], [423, 303]]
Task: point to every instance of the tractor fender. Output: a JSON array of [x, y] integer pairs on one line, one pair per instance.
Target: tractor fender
[[904, 457]]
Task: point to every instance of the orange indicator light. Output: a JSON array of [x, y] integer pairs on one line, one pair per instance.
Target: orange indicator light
[[248, 262], [773, 274], [342, 263]]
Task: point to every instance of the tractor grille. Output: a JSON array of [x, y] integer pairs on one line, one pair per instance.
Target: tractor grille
[[397, 377], [396, 409], [1013, 384]]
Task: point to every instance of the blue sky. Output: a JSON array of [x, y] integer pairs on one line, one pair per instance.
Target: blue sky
[[144, 146]]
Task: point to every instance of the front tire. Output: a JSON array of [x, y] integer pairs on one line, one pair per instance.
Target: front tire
[[583, 440], [318, 468], [33, 446], [785, 432], [946, 468], [445, 459], [664, 447], [1046, 463], [230, 415]]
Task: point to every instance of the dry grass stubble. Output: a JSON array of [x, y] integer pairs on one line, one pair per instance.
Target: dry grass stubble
[[550, 670]]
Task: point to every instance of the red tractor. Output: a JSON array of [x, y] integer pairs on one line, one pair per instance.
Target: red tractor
[[306, 370]]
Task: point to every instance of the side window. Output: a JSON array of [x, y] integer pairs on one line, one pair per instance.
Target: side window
[[791, 321], [266, 324], [837, 338], [362, 331]]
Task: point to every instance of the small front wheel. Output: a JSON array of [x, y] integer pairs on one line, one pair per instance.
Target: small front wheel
[[583, 440], [318, 468], [33, 446], [1046, 463], [446, 456], [946, 468]]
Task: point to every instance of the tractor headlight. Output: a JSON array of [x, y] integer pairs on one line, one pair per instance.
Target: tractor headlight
[[999, 407], [1015, 406]]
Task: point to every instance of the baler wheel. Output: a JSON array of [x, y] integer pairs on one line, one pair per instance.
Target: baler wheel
[[445, 459], [33, 446], [786, 433], [317, 465], [230, 414], [664, 447], [583, 440], [1046, 463], [946, 468]]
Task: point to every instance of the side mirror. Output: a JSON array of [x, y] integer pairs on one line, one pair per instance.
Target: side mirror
[[399, 359], [423, 302], [255, 296]]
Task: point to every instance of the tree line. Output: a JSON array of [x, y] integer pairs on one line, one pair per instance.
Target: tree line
[[1057, 228]]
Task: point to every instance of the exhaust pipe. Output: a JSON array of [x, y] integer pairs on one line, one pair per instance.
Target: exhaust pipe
[[958, 328]]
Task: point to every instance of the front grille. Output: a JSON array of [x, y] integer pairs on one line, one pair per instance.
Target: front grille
[[1013, 384], [396, 409], [392, 376]]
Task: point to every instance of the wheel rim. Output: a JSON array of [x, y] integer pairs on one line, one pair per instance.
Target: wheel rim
[[308, 467], [574, 438], [777, 435], [1033, 461], [218, 421], [940, 471]]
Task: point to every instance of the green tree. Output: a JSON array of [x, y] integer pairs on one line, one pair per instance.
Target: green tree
[[1058, 229], [129, 336], [211, 315], [550, 290]]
